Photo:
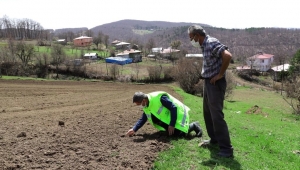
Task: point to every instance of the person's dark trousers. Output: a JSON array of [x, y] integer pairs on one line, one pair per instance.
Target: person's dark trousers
[[216, 126], [177, 133]]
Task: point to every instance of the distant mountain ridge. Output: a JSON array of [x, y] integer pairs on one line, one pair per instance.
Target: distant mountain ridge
[[241, 42], [123, 30]]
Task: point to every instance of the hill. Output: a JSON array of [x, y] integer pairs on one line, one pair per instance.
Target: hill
[[282, 42]]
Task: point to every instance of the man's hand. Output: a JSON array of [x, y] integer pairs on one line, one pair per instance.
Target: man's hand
[[171, 130], [130, 132], [215, 78]]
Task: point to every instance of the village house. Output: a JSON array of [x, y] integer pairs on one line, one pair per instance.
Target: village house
[[91, 56], [122, 45], [260, 61], [115, 42], [156, 50], [135, 55], [83, 41], [169, 52], [277, 70], [163, 52], [194, 55], [61, 41]]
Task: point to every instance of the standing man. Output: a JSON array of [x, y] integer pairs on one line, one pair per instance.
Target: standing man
[[216, 59], [165, 113]]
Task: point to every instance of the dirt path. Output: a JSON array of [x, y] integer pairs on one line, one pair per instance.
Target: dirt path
[[96, 116]]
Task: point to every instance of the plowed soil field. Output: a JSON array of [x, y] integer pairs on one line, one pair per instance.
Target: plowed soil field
[[75, 125]]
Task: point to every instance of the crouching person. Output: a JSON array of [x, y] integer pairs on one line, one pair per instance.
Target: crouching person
[[165, 113]]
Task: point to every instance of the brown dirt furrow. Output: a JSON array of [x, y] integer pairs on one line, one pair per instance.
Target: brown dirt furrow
[[95, 117]]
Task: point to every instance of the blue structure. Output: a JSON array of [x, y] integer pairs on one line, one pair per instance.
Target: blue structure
[[118, 60]]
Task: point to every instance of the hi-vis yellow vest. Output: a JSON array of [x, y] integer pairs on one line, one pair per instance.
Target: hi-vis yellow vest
[[158, 110]]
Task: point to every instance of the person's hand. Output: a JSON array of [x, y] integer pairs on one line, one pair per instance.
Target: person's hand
[[130, 132], [215, 78], [171, 130]]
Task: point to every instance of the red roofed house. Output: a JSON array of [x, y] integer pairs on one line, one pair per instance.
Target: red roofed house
[[83, 41], [260, 61]]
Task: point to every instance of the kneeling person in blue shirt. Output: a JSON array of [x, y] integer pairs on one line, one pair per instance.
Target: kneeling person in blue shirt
[[165, 113]]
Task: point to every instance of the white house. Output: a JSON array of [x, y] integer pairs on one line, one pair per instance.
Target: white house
[[275, 71], [122, 45], [260, 61], [156, 50], [168, 52], [90, 56], [194, 55]]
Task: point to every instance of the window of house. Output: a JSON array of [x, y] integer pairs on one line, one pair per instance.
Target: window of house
[[262, 61]]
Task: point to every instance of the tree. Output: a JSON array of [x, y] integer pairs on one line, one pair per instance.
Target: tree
[[173, 56], [25, 52], [42, 65], [98, 40], [295, 63], [150, 44], [106, 37], [292, 87], [175, 44], [89, 33], [58, 56]]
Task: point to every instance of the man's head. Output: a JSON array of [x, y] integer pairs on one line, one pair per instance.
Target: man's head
[[197, 35], [139, 98]]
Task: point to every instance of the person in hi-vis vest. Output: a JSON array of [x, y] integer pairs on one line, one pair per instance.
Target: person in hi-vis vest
[[165, 113]]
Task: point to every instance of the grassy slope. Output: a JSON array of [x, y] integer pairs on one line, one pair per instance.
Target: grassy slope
[[261, 141]]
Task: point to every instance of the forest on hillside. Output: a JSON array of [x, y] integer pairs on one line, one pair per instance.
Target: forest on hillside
[[281, 42]]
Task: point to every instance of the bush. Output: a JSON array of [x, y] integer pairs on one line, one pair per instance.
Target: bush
[[199, 88], [154, 73], [168, 72], [230, 85], [114, 71], [293, 92], [187, 73]]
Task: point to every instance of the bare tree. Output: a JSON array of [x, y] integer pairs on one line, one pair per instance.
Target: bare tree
[[114, 71], [25, 52], [150, 44], [58, 56], [106, 37], [98, 40], [89, 33], [188, 73], [42, 65]]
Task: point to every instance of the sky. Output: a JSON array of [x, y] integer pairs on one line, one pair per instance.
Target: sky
[[56, 14]]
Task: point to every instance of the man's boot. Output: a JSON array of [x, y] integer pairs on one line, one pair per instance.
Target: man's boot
[[195, 127]]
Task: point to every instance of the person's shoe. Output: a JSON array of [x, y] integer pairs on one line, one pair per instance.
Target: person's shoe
[[207, 143], [195, 127], [225, 155]]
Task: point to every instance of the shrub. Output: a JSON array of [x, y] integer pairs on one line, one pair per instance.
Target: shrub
[[293, 92], [230, 85], [114, 71], [154, 73], [168, 72], [187, 73]]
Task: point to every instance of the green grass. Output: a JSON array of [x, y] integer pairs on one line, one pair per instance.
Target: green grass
[[260, 141], [21, 78], [71, 53]]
